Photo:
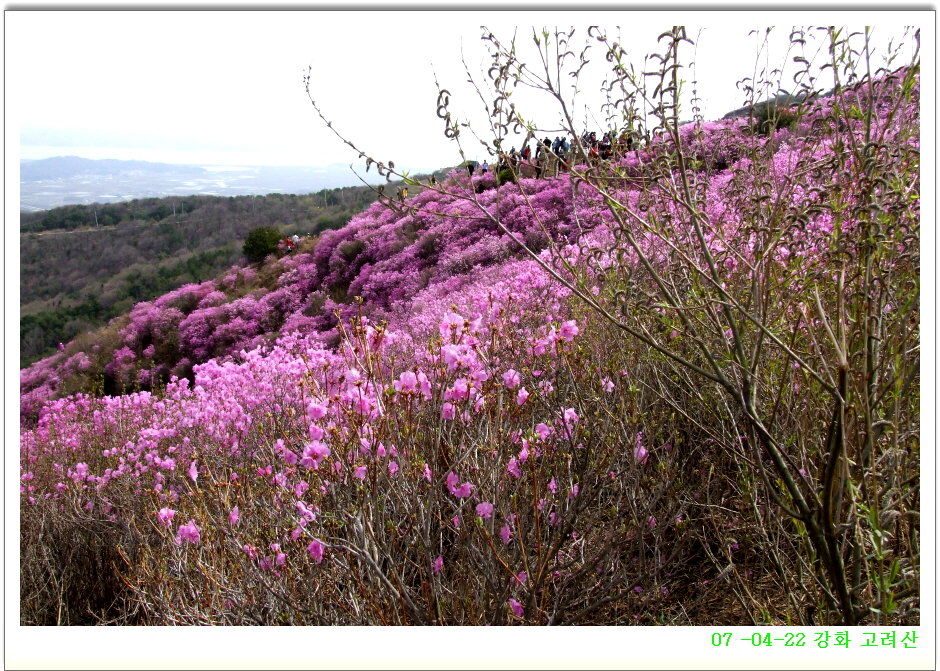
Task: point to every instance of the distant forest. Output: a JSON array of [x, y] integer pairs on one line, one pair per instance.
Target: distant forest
[[81, 265]]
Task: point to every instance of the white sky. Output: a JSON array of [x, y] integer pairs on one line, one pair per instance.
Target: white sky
[[226, 87]]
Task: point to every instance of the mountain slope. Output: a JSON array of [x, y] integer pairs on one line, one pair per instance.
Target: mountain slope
[[666, 416]]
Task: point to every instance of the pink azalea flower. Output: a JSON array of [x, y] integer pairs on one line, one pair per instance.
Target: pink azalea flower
[[438, 564], [568, 330], [511, 379], [314, 452], [233, 516], [521, 396], [456, 521], [461, 492], [306, 514], [574, 491], [316, 411], [315, 550], [406, 383], [607, 385], [505, 534], [392, 468], [427, 473], [166, 516], [485, 510], [513, 468], [521, 577], [188, 532], [552, 486], [571, 417], [640, 453], [424, 385], [516, 608], [543, 430], [448, 411], [193, 471], [360, 473]]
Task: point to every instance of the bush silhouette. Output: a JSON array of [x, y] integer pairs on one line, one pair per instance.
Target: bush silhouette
[[260, 242]]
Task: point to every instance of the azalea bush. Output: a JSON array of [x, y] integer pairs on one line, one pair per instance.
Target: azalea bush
[[377, 483], [675, 386], [767, 260]]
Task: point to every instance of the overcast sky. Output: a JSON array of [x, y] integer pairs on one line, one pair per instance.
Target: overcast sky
[[226, 87]]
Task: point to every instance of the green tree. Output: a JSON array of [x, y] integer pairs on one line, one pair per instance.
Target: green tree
[[260, 242]]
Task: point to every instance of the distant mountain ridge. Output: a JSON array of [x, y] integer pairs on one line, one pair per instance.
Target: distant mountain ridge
[[73, 180], [60, 167]]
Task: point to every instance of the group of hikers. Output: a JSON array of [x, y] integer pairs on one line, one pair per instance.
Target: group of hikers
[[554, 156], [288, 244]]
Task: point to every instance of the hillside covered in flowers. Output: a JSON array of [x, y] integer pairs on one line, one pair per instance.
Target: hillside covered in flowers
[[413, 419]]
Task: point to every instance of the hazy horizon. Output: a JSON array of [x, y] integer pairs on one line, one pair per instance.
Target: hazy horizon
[[226, 88]]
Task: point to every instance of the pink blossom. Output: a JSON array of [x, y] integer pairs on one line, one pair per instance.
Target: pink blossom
[[640, 453], [233, 516], [521, 396], [511, 379], [461, 492], [568, 330], [607, 385], [166, 516], [513, 468], [543, 430], [392, 468], [193, 471], [316, 411], [424, 385], [571, 417], [314, 452], [315, 550], [360, 472], [485, 510], [574, 491], [427, 473], [505, 533], [552, 486], [448, 411], [438, 564], [406, 383], [516, 607], [456, 521], [188, 532]]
